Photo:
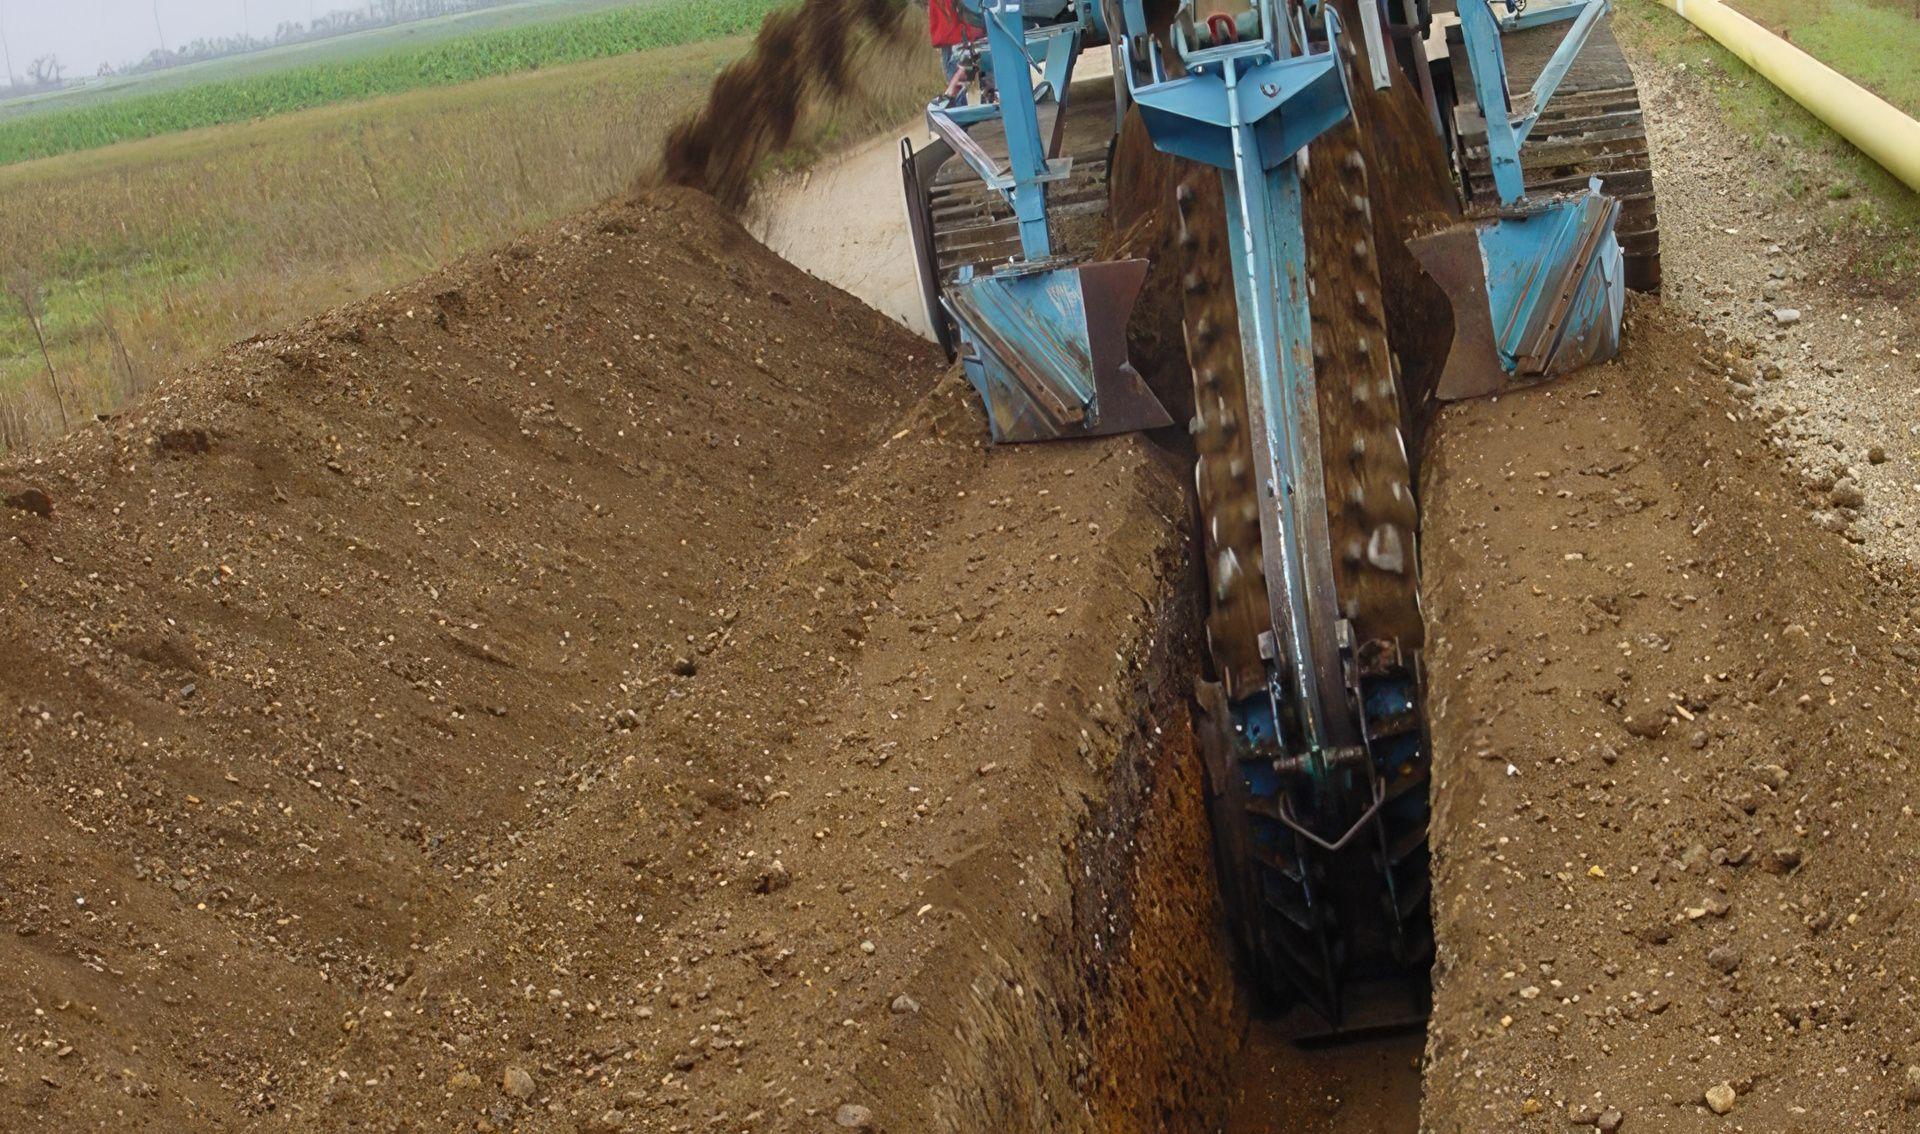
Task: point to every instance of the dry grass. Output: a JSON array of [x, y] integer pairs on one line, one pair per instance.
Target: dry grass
[[141, 257]]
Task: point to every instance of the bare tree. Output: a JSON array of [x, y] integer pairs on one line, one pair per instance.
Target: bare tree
[[45, 71]]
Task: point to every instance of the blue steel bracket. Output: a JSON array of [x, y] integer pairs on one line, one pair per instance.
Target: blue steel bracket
[[1534, 15], [1287, 103], [1045, 346], [1509, 120]]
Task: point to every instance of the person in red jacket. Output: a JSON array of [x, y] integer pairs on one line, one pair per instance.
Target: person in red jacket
[[950, 34]]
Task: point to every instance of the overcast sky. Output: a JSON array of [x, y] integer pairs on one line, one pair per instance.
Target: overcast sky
[[86, 33]]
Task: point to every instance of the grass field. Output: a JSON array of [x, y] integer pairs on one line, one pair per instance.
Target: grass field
[[143, 257], [1877, 44], [380, 63], [333, 49]]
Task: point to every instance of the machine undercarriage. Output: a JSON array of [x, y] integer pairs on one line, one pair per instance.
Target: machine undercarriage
[[1350, 241]]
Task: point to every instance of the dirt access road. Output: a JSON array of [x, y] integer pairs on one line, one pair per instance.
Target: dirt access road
[[844, 221]]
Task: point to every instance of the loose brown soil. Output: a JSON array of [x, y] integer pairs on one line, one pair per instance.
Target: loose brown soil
[[1675, 725], [608, 685]]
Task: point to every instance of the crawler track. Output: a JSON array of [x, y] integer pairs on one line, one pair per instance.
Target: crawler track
[[972, 225], [1592, 127]]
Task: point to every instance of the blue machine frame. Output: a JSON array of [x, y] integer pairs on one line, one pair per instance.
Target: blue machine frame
[[1549, 271], [1507, 129], [1043, 338], [1250, 107], [1537, 284]]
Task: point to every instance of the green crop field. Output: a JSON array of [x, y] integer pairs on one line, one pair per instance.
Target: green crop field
[[329, 50], [377, 65]]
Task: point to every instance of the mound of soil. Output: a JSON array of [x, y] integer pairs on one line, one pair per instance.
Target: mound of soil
[[1675, 728], [608, 685]]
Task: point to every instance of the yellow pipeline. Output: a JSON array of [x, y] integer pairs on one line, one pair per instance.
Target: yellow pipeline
[[1860, 116]]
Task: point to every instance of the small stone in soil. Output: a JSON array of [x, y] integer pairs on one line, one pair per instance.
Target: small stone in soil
[[853, 1116], [773, 879], [1720, 1098], [517, 1083], [1646, 725]]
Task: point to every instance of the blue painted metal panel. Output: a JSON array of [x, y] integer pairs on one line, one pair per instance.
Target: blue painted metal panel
[[1290, 102], [1045, 347], [1555, 283]]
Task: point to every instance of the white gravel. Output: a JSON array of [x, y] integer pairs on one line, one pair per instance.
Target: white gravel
[[1739, 254]]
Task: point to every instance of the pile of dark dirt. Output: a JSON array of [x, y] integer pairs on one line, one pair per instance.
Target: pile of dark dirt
[[1675, 725], [818, 52], [608, 685]]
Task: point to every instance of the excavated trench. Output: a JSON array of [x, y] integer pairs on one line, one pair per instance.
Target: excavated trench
[[523, 701], [1173, 1036]]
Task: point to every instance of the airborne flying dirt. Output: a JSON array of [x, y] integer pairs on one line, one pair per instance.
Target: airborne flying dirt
[[614, 683]]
